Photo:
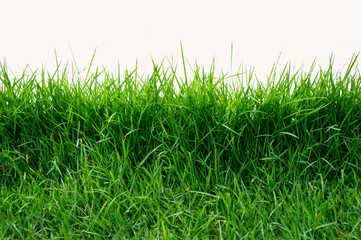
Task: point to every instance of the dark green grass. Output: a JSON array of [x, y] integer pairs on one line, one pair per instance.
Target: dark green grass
[[164, 158]]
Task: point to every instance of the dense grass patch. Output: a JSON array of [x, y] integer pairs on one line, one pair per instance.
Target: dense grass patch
[[168, 158]]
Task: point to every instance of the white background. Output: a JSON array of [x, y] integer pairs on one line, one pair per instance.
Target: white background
[[125, 31]]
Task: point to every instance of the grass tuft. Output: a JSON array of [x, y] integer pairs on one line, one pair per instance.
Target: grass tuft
[[129, 158]]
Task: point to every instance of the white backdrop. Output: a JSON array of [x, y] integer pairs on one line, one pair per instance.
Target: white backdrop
[[126, 31]]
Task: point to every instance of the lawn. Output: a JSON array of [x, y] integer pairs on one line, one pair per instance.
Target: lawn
[[117, 156]]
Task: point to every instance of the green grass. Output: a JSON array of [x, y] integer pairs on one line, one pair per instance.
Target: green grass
[[161, 158]]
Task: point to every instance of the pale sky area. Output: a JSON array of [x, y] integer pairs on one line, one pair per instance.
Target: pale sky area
[[126, 31]]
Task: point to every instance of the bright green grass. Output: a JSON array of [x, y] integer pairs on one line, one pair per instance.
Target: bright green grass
[[125, 158]]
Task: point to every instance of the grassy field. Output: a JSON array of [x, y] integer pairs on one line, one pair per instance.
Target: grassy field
[[171, 157]]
